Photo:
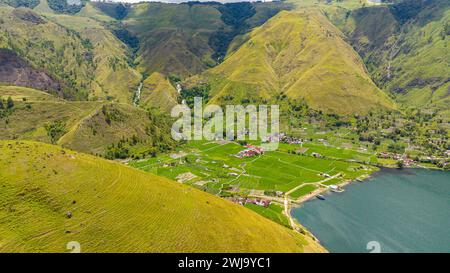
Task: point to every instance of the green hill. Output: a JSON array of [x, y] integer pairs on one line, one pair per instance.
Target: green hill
[[405, 47], [185, 39], [108, 129], [114, 78], [51, 196], [119, 131], [299, 55], [78, 52], [158, 92]]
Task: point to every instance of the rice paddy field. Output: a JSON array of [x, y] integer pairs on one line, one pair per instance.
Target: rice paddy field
[[214, 167], [290, 172]]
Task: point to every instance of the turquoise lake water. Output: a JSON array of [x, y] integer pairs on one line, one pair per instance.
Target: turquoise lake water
[[401, 210]]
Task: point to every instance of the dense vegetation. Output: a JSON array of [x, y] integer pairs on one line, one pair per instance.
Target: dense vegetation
[[116, 10], [66, 6], [21, 3], [201, 91], [6, 107], [234, 15]]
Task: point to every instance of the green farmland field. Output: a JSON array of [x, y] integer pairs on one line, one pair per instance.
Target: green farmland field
[[214, 165], [304, 190]]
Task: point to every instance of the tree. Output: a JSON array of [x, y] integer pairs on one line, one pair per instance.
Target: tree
[[55, 130], [400, 164], [10, 103]]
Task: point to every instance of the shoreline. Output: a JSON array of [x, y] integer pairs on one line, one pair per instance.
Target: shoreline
[[413, 174], [297, 203]]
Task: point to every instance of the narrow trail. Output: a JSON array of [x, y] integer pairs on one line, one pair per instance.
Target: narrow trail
[[316, 182], [288, 214], [78, 124]]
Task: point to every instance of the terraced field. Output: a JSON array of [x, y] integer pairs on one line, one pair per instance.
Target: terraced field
[[51, 196]]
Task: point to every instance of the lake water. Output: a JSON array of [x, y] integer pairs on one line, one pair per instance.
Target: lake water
[[400, 210]]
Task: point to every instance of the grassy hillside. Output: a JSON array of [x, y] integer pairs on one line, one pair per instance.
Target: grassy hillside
[[185, 39], [108, 129], [114, 78], [51, 196], [19, 93], [158, 92], [28, 119], [63, 54], [406, 48], [173, 38], [299, 55], [79, 52], [119, 131]]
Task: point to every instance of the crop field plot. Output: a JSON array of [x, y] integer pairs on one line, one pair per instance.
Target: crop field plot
[[302, 191], [216, 168]]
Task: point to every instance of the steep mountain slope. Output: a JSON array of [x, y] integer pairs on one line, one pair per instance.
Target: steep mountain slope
[[158, 92], [114, 78], [84, 57], [28, 119], [51, 196], [185, 39], [119, 130], [173, 38], [299, 55], [16, 71], [406, 48], [47, 46]]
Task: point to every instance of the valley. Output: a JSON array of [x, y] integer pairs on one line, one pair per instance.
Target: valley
[[86, 93]]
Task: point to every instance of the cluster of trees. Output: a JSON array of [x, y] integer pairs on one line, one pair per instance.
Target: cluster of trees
[[22, 3], [196, 91], [55, 130], [6, 107], [111, 114], [63, 6], [115, 10], [234, 15]]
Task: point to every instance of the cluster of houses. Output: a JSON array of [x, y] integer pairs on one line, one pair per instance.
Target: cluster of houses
[[244, 200], [250, 151], [290, 139], [390, 155], [407, 161]]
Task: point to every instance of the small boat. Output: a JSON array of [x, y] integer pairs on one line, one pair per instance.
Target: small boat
[[359, 180], [320, 196], [335, 188]]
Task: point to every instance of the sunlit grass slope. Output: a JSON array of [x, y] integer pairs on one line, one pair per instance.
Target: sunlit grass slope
[[20, 93], [86, 126], [29, 118], [158, 92], [114, 78], [301, 55], [111, 123], [52, 196], [173, 38]]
